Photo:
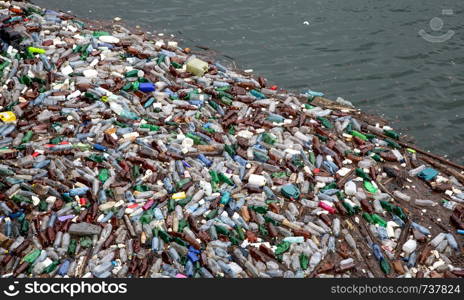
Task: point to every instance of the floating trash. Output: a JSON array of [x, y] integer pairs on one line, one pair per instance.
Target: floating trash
[[125, 155]]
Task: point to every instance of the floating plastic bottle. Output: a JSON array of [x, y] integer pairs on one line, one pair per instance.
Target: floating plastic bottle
[[125, 155]]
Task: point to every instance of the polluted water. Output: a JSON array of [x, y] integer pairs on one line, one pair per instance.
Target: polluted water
[[123, 154]]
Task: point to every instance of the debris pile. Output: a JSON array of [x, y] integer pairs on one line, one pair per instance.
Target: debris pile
[[125, 155]]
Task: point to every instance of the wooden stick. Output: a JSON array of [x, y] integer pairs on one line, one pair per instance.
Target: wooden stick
[[344, 180], [455, 165], [402, 239]]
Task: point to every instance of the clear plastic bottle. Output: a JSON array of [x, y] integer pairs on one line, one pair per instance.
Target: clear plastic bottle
[[427, 203], [402, 196]]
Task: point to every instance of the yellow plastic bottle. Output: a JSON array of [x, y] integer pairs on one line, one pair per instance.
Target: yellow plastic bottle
[[7, 116], [197, 67], [179, 196]]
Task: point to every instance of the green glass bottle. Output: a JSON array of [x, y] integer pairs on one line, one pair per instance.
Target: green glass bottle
[[325, 122], [103, 175], [96, 158], [160, 58], [282, 248], [330, 186], [164, 236], [360, 173], [85, 242], [304, 261], [24, 227], [322, 138], [132, 73], [370, 136], [230, 150], [376, 157], [176, 65], [32, 256], [223, 178], [308, 106], [183, 202], [233, 238], [212, 214], [393, 144], [259, 209], [392, 134], [20, 198], [239, 232], [196, 139], [56, 140], [400, 213], [226, 101], [268, 139], [183, 223], [180, 241], [146, 217], [43, 205], [221, 229], [259, 156], [171, 205], [150, 126], [349, 208], [387, 205], [370, 187], [312, 157], [3, 65], [214, 176], [27, 137], [379, 220], [278, 175], [26, 80], [232, 130], [359, 135], [385, 266], [99, 33], [368, 218], [135, 171], [181, 183], [127, 87], [72, 247], [67, 198], [263, 231]]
